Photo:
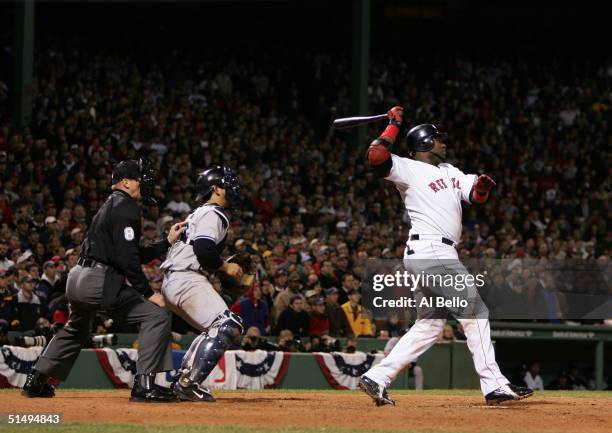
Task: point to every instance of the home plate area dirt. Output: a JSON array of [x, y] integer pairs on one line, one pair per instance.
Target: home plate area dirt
[[344, 410]]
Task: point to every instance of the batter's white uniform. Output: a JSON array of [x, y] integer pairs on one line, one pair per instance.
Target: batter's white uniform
[[186, 290], [432, 196]]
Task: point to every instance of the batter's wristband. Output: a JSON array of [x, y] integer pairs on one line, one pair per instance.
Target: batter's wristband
[[390, 133], [480, 196]]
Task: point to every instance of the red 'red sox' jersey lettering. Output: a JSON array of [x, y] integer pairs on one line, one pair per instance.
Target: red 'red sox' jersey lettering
[[432, 195], [439, 184]]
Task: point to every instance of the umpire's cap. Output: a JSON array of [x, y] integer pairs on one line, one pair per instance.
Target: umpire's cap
[[128, 169], [421, 137], [140, 170]]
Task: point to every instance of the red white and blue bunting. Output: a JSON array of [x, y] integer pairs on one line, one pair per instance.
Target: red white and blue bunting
[[236, 370], [15, 364], [342, 370]]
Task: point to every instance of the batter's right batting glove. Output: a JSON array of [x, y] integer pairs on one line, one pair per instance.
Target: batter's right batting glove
[[396, 116]]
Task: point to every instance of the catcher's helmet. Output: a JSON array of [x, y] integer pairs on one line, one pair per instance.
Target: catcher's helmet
[[420, 138], [220, 175]]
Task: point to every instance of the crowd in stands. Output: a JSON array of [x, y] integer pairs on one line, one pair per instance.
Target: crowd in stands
[[314, 211]]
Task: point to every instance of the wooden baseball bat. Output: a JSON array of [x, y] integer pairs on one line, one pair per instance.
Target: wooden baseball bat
[[352, 122]]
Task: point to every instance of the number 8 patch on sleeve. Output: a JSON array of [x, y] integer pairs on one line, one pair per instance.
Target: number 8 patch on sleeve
[[128, 233]]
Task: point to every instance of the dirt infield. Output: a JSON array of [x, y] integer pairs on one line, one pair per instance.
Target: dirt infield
[[350, 410]]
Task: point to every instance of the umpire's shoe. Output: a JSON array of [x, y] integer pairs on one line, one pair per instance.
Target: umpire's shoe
[[190, 391], [377, 392], [506, 393], [36, 385], [145, 390]]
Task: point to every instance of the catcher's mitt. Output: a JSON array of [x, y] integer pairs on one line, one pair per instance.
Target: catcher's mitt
[[232, 286]]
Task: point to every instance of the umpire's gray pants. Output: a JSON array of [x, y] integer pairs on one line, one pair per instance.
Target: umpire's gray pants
[[84, 292]]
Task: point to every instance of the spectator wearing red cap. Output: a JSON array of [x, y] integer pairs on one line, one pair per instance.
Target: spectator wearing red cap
[[253, 310]]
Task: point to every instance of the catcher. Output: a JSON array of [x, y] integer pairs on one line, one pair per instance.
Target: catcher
[[189, 293]]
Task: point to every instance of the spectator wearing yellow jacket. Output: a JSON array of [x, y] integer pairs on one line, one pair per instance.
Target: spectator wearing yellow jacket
[[355, 314]]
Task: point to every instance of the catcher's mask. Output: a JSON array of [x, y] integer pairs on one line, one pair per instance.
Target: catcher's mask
[[141, 171]]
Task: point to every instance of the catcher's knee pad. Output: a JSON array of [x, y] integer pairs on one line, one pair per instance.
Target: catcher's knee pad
[[225, 330]]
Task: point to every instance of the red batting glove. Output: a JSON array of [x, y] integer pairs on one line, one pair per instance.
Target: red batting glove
[[484, 183], [396, 117], [482, 187]]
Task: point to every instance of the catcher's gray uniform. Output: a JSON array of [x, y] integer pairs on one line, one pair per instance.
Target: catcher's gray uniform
[[187, 291]]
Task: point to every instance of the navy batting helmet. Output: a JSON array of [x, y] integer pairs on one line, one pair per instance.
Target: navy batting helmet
[[421, 137], [221, 176]]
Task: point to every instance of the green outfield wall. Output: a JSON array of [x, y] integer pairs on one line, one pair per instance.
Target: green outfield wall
[[445, 365]]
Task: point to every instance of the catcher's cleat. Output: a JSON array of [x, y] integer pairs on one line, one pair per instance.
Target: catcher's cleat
[[378, 393], [500, 395], [36, 386], [521, 391], [192, 392]]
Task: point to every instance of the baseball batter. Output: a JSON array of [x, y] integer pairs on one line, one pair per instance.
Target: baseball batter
[[432, 191], [187, 290]]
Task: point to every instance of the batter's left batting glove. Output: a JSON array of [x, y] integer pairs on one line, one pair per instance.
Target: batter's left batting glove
[[484, 184]]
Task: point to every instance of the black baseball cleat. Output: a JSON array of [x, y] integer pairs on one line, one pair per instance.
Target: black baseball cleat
[[378, 393], [192, 392], [500, 395], [146, 391], [521, 391], [36, 386]]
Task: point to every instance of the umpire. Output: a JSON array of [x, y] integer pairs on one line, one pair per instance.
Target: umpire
[[109, 277]]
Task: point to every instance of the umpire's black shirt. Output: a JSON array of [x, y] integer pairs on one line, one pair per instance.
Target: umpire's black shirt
[[113, 239]]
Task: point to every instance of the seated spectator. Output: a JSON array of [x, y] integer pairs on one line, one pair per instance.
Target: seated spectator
[[280, 282], [532, 377], [6, 298], [348, 283], [350, 346], [294, 318], [327, 276], [310, 296], [318, 323], [447, 335], [28, 308], [393, 326], [4, 330], [338, 323], [5, 262], [383, 334], [576, 379], [561, 382], [281, 302], [287, 342], [355, 314], [253, 340], [46, 286], [253, 310]]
